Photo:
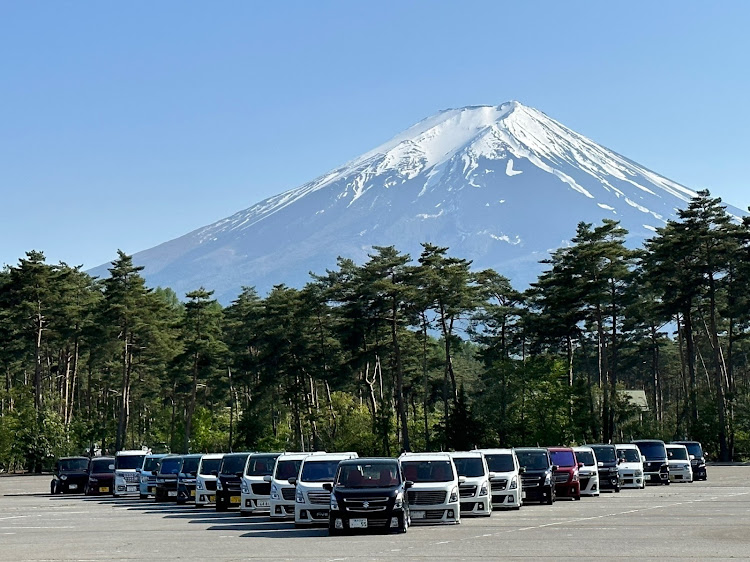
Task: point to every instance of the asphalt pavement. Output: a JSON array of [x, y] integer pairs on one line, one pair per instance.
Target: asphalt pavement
[[697, 521]]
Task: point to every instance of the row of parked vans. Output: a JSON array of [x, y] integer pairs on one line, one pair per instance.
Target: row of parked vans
[[346, 492]]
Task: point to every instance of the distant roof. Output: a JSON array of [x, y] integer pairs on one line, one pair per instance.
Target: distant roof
[[635, 397]]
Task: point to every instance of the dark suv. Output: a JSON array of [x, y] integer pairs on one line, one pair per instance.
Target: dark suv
[[607, 461], [186, 478], [71, 475], [228, 481], [537, 475], [101, 474], [656, 466], [368, 493], [697, 459], [166, 478]]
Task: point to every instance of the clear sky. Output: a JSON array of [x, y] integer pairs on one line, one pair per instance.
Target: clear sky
[[126, 124]]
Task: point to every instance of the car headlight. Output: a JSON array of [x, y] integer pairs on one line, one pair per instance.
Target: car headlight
[[63, 477], [454, 495], [218, 485], [638, 473], [575, 477], [274, 492], [199, 484], [548, 479], [399, 503], [334, 502], [484, 489], [514, 483], [245, 487], [299, 497]]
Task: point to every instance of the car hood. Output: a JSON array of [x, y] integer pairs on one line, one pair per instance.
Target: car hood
[[367, 492]]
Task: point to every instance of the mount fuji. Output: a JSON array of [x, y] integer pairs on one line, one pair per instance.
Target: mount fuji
[[500, 185]]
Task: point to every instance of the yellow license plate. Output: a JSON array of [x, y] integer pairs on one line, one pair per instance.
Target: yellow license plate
[[192, 493], [212, 499], [235, 499], [104, 489]]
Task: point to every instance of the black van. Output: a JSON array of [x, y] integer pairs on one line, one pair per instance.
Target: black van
[[537, 475], [70, 476], [166, 478], [656, 466], [228, 481], [607, 461], [697, 460]]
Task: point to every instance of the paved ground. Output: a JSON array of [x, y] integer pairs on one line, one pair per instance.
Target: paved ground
[[700, 521]]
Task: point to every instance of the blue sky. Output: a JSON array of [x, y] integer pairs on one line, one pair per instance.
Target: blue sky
[[123, 125]]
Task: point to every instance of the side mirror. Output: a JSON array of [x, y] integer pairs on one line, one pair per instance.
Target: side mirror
[[238, 474], [600, 463], [328, 487], [293, 480], [554, 467], [692, 457], [620, 461], [492, 475], [580, 465], [521, 470], [154, 472], [408, 484], [462, 479], [267, 478]]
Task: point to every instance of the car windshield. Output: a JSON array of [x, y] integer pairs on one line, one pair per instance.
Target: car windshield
[[677, 453], [470, 467], [629, 455], [586, 457], [262, 465], [694, 449], [428, 471], [368, 475], [533, 460], [74, 464], [563, 458], [232, 464], [101, 466], [129, 462], [605, 453], [319, 471], [287, 469], [151, 464], [171, 465], [190, 465], [209, 465], [500, 462], [651, 450]]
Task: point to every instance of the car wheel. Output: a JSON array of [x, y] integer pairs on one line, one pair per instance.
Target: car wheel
[[551, 498], [332, 530], [617, 490]]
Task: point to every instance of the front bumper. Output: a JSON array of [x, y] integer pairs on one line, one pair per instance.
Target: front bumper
[[699, 472], [185, 492], [609, 480], [123, 487], [589, 484], [311, 514], [479, 505], [538, 493], [147, 488], [228, 498], [568, 489], [431, 514], [282, 509], [680, 475], [631, 479], [252, 503], [389, 520]]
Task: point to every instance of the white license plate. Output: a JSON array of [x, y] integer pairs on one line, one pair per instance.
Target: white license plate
[[132, 489], [523, 495], [417, 514], [358, 523], [73, 486], [172, 494], [264, 503]]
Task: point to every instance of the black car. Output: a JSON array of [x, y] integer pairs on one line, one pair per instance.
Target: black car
[[697, 460], [656, 466], [537, 477], [70, 476], [607, 461], [186, 478], [228, 481], [101, 476], [368, 494], [166, 478]]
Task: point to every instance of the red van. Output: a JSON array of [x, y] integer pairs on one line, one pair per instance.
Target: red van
[[567, 483]]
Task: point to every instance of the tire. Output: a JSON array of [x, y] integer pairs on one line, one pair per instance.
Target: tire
[[617, 490], [220, 505], [577, 498], [667, 483], [332, 530], [551, 497]]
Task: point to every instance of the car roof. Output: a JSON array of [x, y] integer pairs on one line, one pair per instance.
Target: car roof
[[559, 449], [208, 456], [131, 452], [531, 449], [72, 458], [583, 448], [366, 460], [626, 446], [505, 451], [293, 456], [647, 441], [330, 457], [675, 446], [416, 457]]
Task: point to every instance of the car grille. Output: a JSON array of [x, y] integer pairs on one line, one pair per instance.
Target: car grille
[[427, 498], [287, 494], [364, 505], [434, 514], [468, 506], [498, 485], [531, 482], [585, 482], [131, 477], [322, 498], [262, 489], [499, 498], [562, 477], [467, 491], [210, 485]]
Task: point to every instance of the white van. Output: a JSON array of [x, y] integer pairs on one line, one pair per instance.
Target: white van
[[128, 464], [505, 480], [282, 492], [205, 479], [588, 474], [148, 473], [630, 468], [433, 498], [679, 463], [474, 491], [312, 502], [256, 491]]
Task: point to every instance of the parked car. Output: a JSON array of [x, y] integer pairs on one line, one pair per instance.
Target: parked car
[[70, 476], [678, 459], [697, 459], [127, 471], [282, 492], [101, 476], [631, 466], [256, 491], [312, 500], [474, 491], [205, 481], [607, 461], [588, 474], [148, 473], [567, 482], [186, 479], [368, 493], [655, 466], [537, 475], [433, 497], [166, 478], [228, 491], [505, 478]]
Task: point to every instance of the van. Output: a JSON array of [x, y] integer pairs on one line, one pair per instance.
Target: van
[[474, 492], [505, 478], [630, 468], [434, 496], [588, 474], [678, 459], [282, 491], [697, 459], [128, 464], [656, 465], [312, 500], [256, 492], [205, 481], [537, 475]]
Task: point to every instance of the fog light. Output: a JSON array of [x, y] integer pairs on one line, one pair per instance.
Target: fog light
[[451, 515], [279, 511], [394, 522], [202, 498], [481, 507], [303, 514], [339, 524]]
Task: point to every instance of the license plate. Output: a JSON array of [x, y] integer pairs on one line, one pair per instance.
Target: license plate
[[417, 514], [104, 490], [235, 499], [264, 503], [150, 489], [211, 499], [132, 489], [172, 494], [192, 493], [73, 486], [358, 523], [523, 495]]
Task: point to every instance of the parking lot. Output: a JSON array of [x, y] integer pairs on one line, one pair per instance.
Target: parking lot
[[700, 521]]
